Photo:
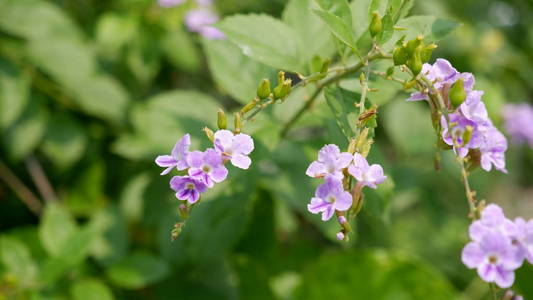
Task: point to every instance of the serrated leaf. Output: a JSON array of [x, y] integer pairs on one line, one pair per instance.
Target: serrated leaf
[[264, 39]]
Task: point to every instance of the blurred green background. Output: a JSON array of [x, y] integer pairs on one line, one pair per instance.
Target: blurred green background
[[91, 91]]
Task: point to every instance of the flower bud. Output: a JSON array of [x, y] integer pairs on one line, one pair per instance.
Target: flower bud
[[281, 77], [249, 106], [176, 230], [467, 135], [400, 56], [409, 84], [413, 44], [415, 63], [390, 71], [222, 122], [340, 235], [325, 66], [457, 93], [263, 90], [352, 147], [375, 24], [342, 220], [287, 87], [425, 54], [209, 133], [238, 123]]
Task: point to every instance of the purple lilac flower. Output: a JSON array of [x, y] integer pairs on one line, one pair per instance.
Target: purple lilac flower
[[178, 157], [518, 119], [492, 219], [207, 166], [522, 238], [493, 257], [460, 125], [235, 148], [493, 149], [365, 174], [330, 196], [169, 3], [330, 162], [200, 21], [187, 188]]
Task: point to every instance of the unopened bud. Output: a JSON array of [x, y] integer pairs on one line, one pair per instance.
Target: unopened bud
[[249, 106], [457, 93], [176, 230], [287, 87], [409, 84], [263, 90], [425, 54], [222, 122], [209, 133], [413, 44], [184, 211], [390, 71], [415, 63], [340, 235], [375, 24], [342, 220], [281, 77], [362, 78], [400, 56], [325, 66], [352, 147], [237, 123], [467, 135]]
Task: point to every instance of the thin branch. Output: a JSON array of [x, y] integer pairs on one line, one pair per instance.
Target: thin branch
[[23, 192], [39, 178]]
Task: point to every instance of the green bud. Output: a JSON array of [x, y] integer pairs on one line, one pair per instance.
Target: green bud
[[237, 123], [375, 24], [287, 87], [390, 71], [316, 64], [415, 62], [281, 77], [413, 44], [249, 106], [278, 92], [409, 84], [457, 93], [209, 133], [425, 55], [222, 122], [400, 41], [263, 90], [400, 56], [467, 135], [325, 66]]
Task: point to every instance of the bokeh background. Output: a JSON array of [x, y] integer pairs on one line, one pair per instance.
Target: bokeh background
[[91, 91]]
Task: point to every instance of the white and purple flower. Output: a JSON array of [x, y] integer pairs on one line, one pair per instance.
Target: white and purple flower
[[207, 166], [329, 197], [187, 188], [201, 20], [518, 119], [330, 162], [178, 157], [235, 148], [366, 175]]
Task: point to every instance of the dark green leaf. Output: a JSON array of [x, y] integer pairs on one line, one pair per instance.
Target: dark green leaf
[[14, 93], [65, 141], [138, 270], [17, 261], [90, 289]]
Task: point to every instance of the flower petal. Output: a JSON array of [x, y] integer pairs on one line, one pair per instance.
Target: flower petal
[[166, 161], [241, 161], [344, 201], [195, 159], [224, 138], [328, 213], [503, 278], [243, 143], [315, 169], [317, 205], [472, 255], [218, 174]]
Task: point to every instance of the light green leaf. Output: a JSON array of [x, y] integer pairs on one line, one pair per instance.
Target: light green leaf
[[341, 102], [137, 270], [143, 58], [237, 74], [338, 27], [112, 242], [14, 93], [265, 39], [65, 141], [339, 8], [56, 229], [90, 289], [313, 36], [114, 31], [132, 197], [17, 261], [85, 194], [180, 50], [373, 275]]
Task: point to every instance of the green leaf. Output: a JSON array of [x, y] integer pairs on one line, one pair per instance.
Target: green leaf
[[264, 39], [138, 270], [338, 27], [85, 194], [90, 289], [373, 275], [180, 50], [339, 8], [409, 127], [314, 38], [441, 28], [341, 102], [112, 243], [237, 74], [144, 57], [17, 261], [132, 197], [114, 31], [23, 136], [14, 93], [56, 229], [65, 141]]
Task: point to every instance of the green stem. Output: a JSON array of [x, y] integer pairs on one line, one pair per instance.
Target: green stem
[[347, 71]]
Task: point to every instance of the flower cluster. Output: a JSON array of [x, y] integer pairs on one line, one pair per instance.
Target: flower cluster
[[203, 169], [518, 120], [499, 246], [332, 165], [199, 20], [471, 127]]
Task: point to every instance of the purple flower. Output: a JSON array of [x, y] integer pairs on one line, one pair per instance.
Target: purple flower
[[460, 125], [492, 219], [235, 148], [330, 162], [178, 157], [200, 21], [493, 149], [169, 3], [207, 166], [522, 238], [474, 109], [187, 188], [493, 257], [365, 174], [330, 196], [518, 120]]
